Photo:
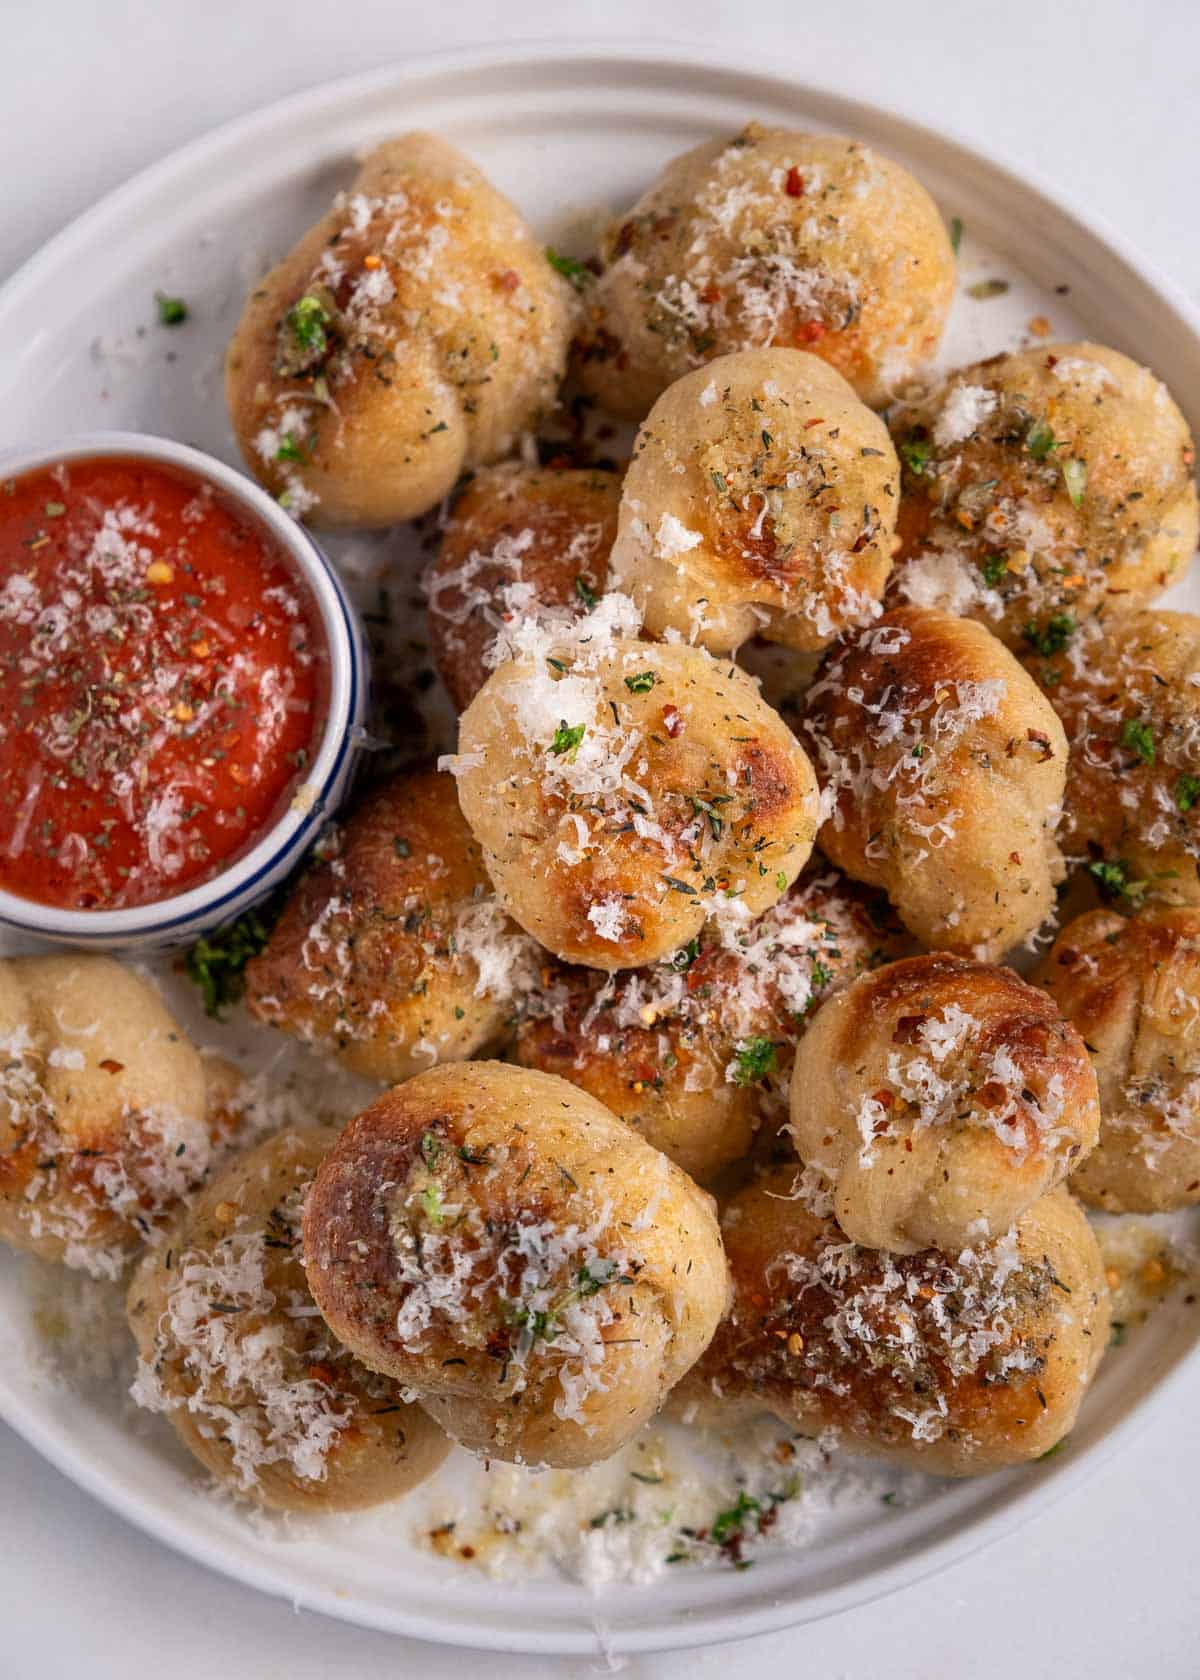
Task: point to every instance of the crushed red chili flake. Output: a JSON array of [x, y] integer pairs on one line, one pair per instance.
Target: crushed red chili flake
[[161, 680], [794, 185]]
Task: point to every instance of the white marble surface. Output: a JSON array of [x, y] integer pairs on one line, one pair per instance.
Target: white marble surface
[[1101, 98]]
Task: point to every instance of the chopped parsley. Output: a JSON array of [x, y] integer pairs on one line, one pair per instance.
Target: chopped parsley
[[642, 683], [585, 594], [289, 449], [567, 738], [1039, 440], [589, 1282], [172, 311], [994, 568], [1113, 881], [578, 273], [956, 233], [1187, 791], [308, 320], [725, 1523], [1138, 737], [755, 1058], [915, 453], [217, 962], [1052, 637], [431, 1201]]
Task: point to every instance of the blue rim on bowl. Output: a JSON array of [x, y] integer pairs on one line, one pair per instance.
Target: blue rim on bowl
[[247, 879]]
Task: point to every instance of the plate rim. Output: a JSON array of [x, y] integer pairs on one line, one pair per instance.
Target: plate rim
[[1017, 1504]]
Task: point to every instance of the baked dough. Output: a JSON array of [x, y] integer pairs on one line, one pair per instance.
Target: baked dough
[[761, 497], [503, 1246], [773, 238], [231, 1350], [416, 331]]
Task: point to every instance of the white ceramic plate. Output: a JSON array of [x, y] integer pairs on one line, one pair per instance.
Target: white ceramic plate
[[566, 132]]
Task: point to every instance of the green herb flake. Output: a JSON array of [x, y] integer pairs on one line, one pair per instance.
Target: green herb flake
[[289, 449], [1187, 791], [733, 1521], [915, 453], [431, 1148], [172, 311], [308, 320], [589, 1280], [1138, 738], [721, 482], [1039, 440], [55, 510], [585, 594], [1053, 636], [1113, 880], [994, 568], [567, 738], [984, 289], [642, 683], [401, 846], [431, 1201], [755, 1058], [217, 962], [578, 273], [956, 233]]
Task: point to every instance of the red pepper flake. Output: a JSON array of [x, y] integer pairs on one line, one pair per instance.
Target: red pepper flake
[[809, 424], [1014, 857], [509, 280], [794, 185], [710, 294], [1037, 738], [672, 722], [811, 331], [110, 1066]]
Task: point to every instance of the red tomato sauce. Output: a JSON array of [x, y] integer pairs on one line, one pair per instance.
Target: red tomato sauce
[[162, 679]]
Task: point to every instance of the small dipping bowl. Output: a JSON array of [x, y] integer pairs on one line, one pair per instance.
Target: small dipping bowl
[[249, 876]]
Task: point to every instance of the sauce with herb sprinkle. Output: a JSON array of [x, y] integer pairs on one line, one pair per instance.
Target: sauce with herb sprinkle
[[162, 677]]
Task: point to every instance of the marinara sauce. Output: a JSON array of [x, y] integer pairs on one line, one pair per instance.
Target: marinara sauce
[[162, 680]]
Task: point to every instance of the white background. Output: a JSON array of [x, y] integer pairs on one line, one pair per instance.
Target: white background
[[1102, 98]]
